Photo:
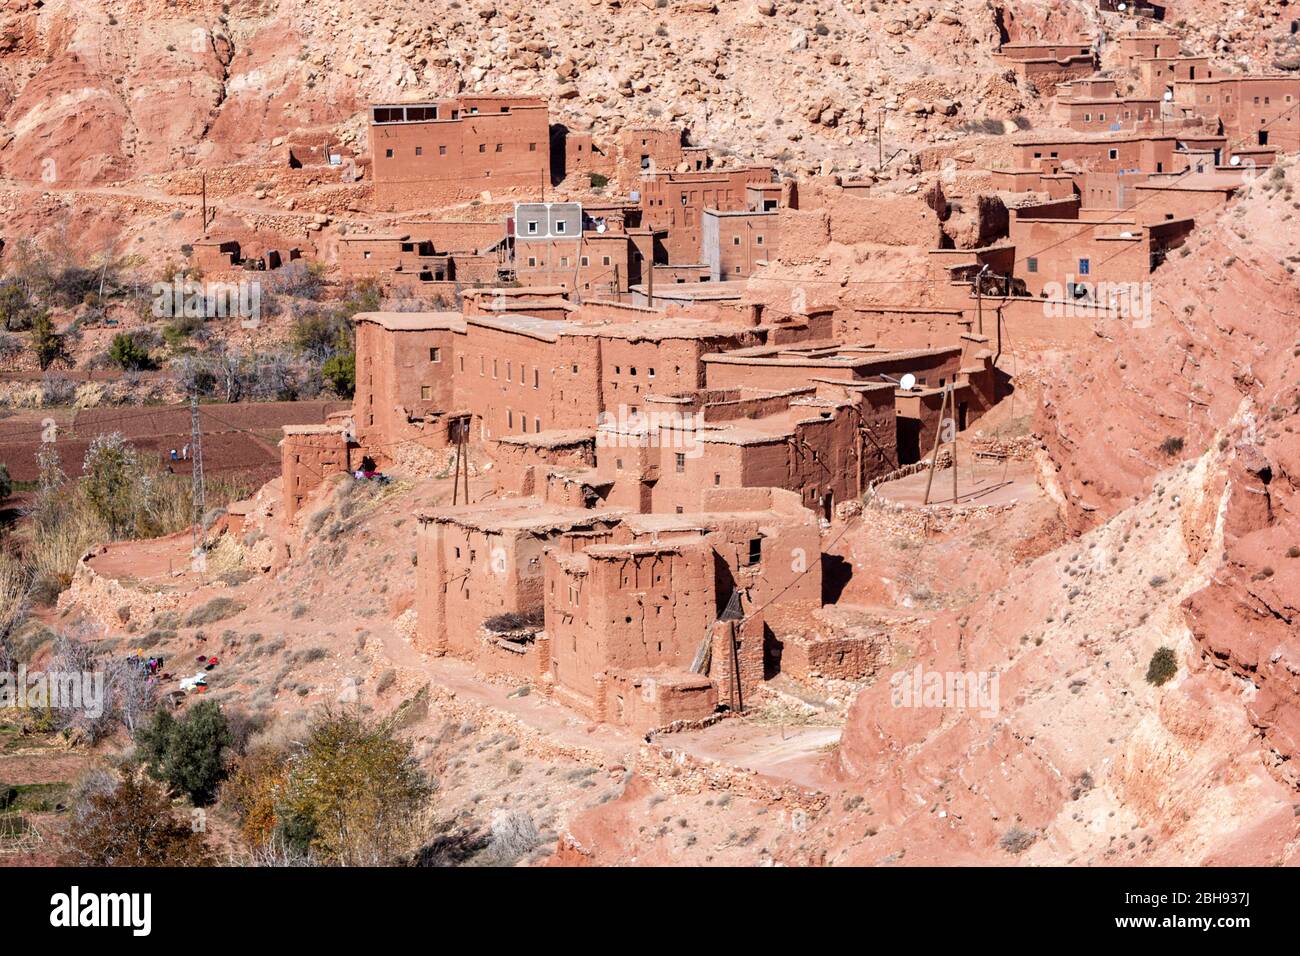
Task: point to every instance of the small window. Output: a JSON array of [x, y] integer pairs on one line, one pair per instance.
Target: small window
[[758, 240], [606, 260], [482, 147], [717, 478], [435, 355], [388, 154], [498, 149], [532, 147], [537, 379], [559, 227], [532, 227], [1114, 154], [419, 151], [442, 150], [1032, 264], [681, 462], [510, 418], [1085, 266], [537, 424], [586, 261], [426, 393], [755, 555], [532, 262], [735, 240]]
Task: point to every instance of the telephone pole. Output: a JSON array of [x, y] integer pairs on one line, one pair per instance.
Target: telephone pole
[[199, 508], [205, 204]]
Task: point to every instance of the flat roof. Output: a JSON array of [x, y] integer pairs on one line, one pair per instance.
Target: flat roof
[[414, 321], [519, 514]]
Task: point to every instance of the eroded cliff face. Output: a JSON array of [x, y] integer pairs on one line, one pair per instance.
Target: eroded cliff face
[[1192, 545]]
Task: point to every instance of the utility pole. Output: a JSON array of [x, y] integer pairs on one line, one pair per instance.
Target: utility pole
[[934, 455], [462, 462], [199, 507], [617, 286], [650, 280], [979, 297], [880, 139], [205, 203]]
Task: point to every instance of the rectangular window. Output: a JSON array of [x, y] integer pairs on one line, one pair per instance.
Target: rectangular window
[[532, 227], [559, 227], [426, 393], [482, 147], [388, 154], [537, 424], [537, 379], [586, 261], [681, 462], [606, 260], [435, 354], [755, 552], [498, 149], [442, 150], [419, 151], [1084, 266], [532, 147], [1033, 264]]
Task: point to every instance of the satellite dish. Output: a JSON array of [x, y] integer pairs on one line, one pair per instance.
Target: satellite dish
[[1236, 160], [908, 381], [1123, 7], [600, 225], [1169, 95], [1126, 235]]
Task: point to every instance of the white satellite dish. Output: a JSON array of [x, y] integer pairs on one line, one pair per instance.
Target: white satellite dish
[[1126, 235], [908, 381], [600, 225], [1123, 7], [1169, 95], [1236, 160]]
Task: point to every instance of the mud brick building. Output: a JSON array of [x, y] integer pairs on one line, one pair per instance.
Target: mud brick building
[[675, 203], [1250, 110], [733, 244], [450, 150], [1047, 63]]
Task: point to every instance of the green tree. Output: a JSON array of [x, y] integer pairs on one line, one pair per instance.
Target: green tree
[[128, 354], [6, 485], [133, 825], [189, 755], [47, 343], [15, 307], [108, 478], [340, 373]]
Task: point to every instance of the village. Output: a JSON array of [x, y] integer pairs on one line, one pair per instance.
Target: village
[[668, 450], [674, 433]]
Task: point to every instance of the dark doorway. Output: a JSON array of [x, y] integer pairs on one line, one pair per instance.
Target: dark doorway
[[909, 440], [836, 574]]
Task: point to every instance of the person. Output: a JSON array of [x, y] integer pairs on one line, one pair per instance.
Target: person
[[173, 454]]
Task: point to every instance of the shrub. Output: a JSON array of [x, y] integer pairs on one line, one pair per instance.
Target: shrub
[[355, 793], [132, 825], [1163, 666], [189, 754], [218, 609], [128, 354], [1172, 445], [1017, 840], [6, 484], [599, 181]]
